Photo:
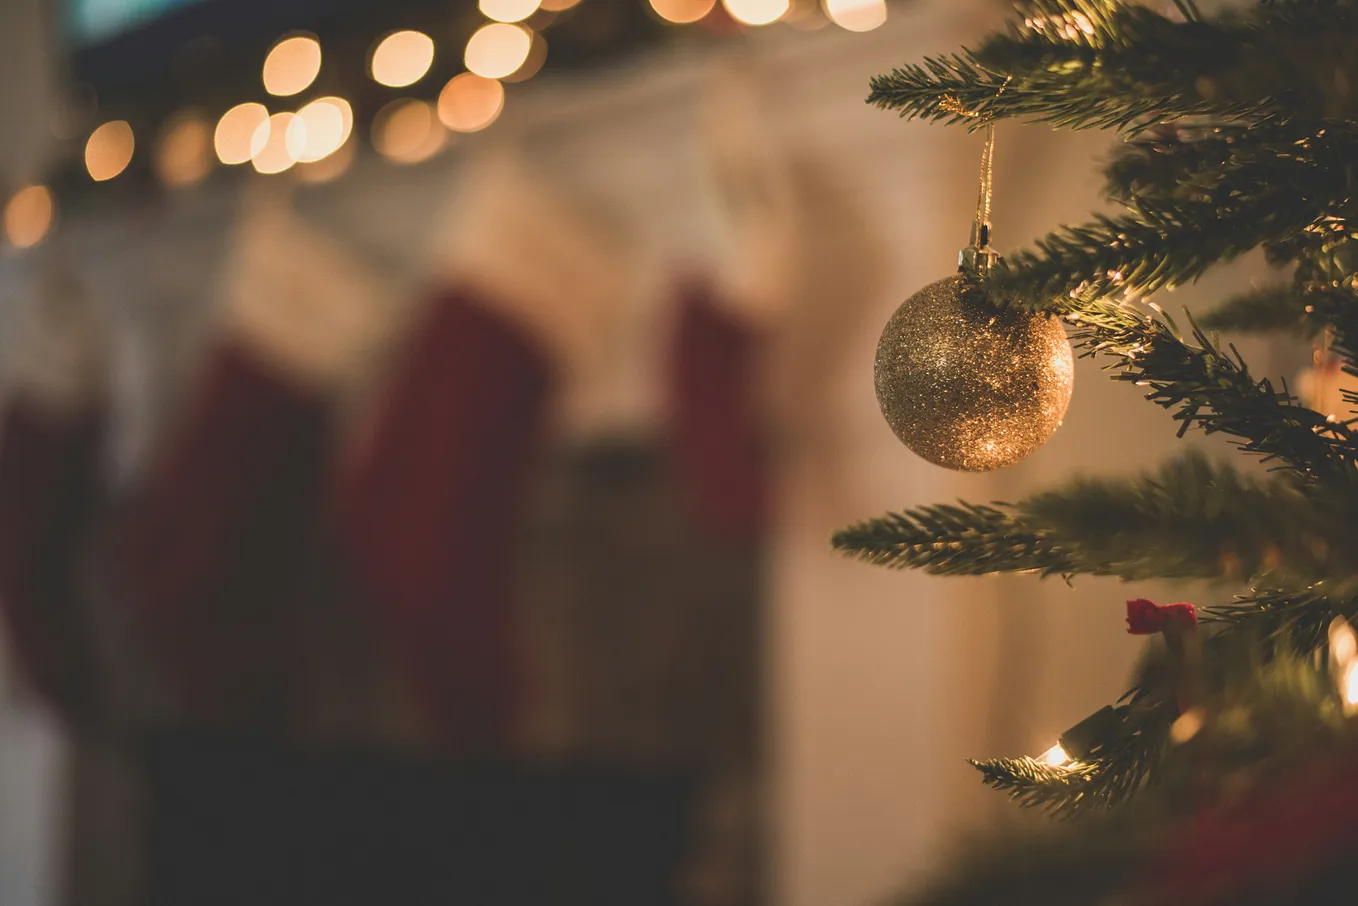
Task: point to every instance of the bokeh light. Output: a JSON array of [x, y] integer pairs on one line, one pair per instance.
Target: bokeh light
[[402, 58], [498, 50], [109, 150], [292, 65], [682, 11], [279, 145], [756, 12], [29, 215], [184, 153], [469, 103], [234, 139], [856, 15], [322, 127], [509, 10], [408, 131], [556, 6]]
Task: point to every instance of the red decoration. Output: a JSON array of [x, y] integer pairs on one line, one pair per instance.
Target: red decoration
[[1147, 618]]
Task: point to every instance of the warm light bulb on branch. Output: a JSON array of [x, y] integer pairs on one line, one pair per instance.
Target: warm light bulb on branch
[[1055, 757], [1344, 662]]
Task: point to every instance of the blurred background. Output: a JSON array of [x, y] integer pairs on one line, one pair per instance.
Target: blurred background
[[425, 421]]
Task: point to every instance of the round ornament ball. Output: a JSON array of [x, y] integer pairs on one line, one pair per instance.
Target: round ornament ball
[[968, 385]]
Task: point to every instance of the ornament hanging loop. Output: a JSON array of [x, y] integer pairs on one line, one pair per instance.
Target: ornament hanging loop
[[978, 255]]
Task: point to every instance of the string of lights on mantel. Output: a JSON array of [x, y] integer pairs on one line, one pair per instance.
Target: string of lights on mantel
[[314, 140]]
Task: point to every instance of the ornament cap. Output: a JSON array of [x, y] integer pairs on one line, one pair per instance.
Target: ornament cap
[[978, 256]]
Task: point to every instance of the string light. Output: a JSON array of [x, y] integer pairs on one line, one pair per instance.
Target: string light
[[292, 65], [321, 128], [402, 58], [184, 153], [470, 103], [1055, 757], [1344, 662], [509, 10], [237, 131], [756, 12], [407, 131], [109, 150], [28, 216], [681, 12], [281, 146], [856, 15], [498, 50]]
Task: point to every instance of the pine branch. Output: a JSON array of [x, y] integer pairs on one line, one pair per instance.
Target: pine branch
[[1157, 244], [965, 540], [1269, 308], [1116, 65], [1191, 519], [1207, 388], [1099, 783], [1222, 163]]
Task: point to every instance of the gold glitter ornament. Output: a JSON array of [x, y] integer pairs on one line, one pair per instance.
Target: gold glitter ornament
[[965, 384], [968, 385]]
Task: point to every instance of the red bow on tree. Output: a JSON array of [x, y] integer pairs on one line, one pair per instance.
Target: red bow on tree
[[1147, 618]]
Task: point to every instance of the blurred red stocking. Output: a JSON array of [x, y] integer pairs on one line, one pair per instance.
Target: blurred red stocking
[[228, 520], [716, 416], [429, 512]]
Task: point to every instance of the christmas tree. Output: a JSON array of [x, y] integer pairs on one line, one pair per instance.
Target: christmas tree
[[1223, 775]]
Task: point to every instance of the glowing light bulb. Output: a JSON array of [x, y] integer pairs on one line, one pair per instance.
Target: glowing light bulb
[[469, 103], [756, 12], [498, 50], [1343, 642], [109, 150], [856, 15], [292, 65], [402, 58], [509, 10], [28, 216], [1350, 688], [681, 12], [1055, 757]]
